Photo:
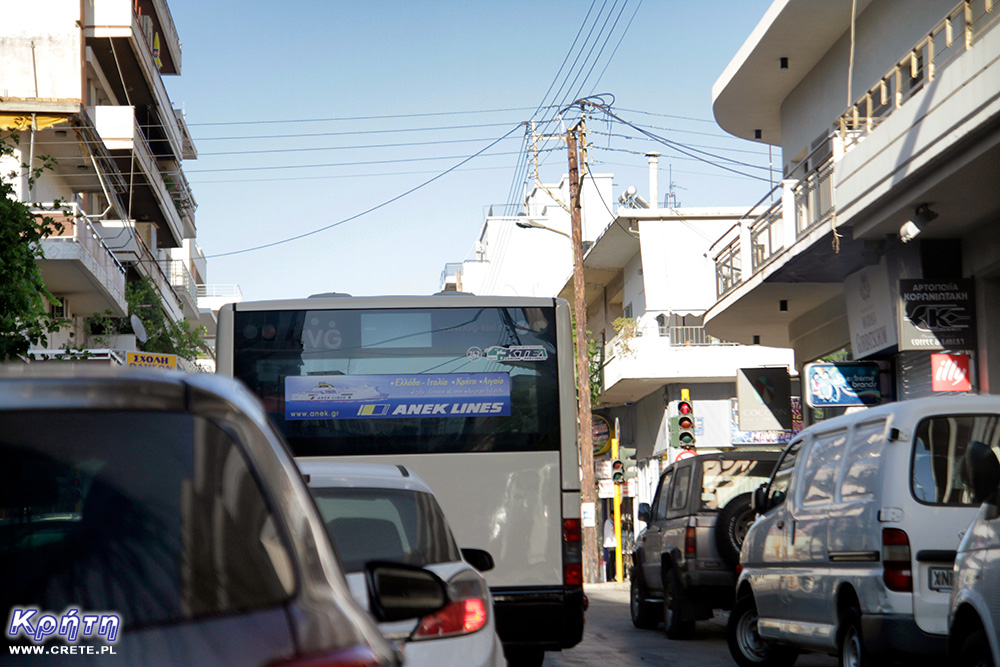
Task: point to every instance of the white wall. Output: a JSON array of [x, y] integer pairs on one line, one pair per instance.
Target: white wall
[[57, 52], [885, 32]]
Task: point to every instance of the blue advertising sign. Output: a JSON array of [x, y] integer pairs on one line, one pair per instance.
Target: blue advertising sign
[[395, 396], [855, 383]]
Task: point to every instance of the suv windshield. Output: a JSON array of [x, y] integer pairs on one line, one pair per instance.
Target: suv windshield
[[155, 516], [385, 524], [723, 480]]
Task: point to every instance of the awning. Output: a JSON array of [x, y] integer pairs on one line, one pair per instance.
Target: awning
[[21, 121]]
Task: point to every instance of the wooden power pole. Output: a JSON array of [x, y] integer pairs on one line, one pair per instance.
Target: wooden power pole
[[587, 491]]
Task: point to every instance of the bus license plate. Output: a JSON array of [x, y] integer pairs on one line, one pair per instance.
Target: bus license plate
[[940, 578]]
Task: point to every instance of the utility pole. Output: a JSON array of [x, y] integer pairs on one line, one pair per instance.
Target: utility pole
[[587, 494]]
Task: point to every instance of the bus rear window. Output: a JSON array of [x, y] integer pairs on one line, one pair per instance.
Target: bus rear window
[[396, 381]]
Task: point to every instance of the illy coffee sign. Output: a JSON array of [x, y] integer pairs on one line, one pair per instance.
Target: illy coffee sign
[[937, 315]]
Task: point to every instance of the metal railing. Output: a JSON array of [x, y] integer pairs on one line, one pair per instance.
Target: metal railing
[[181, 278], [728, 268], [950, 38], [693, 337], [220, 292], [766, 237]]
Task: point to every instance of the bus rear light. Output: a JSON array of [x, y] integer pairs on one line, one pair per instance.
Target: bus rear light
[[572, 531], [897, 568]]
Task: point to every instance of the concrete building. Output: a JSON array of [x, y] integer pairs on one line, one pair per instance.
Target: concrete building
[[883, 244], [83, 82]]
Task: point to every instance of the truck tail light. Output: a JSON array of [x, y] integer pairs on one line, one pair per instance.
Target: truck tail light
[[690, 541], [897, 567]]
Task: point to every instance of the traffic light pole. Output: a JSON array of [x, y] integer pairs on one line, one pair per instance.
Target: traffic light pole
[[587, 495], [618, 512]]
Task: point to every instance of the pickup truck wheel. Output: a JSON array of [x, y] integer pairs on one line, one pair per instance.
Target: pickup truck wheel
[[673, 603], [731, 527], [746, 645], [645, 615]]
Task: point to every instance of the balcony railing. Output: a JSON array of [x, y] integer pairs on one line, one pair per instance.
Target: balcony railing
[[220, 292], [181, 279], [953, 36], [78, 229]]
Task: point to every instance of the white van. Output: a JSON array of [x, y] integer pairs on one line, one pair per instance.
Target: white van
[[854, 552], [974, 619]]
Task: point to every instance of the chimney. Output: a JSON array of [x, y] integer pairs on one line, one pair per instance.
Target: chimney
[[654, 195]]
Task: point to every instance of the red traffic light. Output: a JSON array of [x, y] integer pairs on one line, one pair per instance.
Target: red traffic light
[[684, 408]]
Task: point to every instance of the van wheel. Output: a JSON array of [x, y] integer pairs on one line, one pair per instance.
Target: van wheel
[[673, 605], [645, 615], [731, 527], [746, 645], [849, 644], [975, 651]]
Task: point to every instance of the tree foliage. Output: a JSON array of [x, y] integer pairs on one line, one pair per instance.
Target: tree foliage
[[164, 335], [25, 320]]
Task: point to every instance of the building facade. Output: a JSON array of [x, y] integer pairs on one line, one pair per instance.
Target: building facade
[[82, 89], [883, 244]]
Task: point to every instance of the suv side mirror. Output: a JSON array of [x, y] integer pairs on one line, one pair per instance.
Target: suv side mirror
[[644, 512], [479, 559], [982, 470], [400, 592], [759, 500]]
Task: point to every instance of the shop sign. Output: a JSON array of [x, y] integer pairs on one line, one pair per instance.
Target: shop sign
[[601, 432], [870, 316], [829, 385], [765, 399], [937, 314], [950, 372]]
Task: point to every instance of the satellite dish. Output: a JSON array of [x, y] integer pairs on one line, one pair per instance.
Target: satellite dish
[[138, 329]]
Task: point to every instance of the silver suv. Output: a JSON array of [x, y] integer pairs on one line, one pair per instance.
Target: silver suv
[[685, 560]]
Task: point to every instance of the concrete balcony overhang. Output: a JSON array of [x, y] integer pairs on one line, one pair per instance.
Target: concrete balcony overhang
[[151, 200], [653, 362], [603, 262], [77, 264], [799, 278], [749, 93], [121, 40]]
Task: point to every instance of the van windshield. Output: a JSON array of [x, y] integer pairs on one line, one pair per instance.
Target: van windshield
[[937, 470]]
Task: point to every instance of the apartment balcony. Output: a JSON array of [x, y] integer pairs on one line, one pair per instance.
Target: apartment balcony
[[153, 195], [123, 36], [214, 297], [184, 286], [916, 135], [639, 364], [79, 265]]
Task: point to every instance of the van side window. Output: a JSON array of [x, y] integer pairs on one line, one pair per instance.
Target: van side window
[[819, 475], [862, 465], [939, 445], [682, 483], [778, 489], [660, 511]]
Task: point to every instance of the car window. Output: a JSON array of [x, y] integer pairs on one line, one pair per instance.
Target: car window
[[723, 480], [154, 516], [660, 508], [782, 478], [400, 525], [861, 468], [937, 474], [819, 474], [682, 485]]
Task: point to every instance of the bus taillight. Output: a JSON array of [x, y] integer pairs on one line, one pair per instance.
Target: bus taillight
[[572, 552]]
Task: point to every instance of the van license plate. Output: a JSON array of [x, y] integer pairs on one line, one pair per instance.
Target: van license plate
[[940, 578]]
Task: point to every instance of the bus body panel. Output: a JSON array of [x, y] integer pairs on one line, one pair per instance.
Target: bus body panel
[[511, 503]]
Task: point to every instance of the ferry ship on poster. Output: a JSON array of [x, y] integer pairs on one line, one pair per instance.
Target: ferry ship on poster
[[324, 391]]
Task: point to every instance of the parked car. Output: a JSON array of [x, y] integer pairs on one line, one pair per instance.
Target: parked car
[[158, 516], [974, 616], [684, 563], [382, 512], [854, 552]]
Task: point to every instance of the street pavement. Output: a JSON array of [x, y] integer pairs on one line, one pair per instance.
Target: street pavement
[[610, 639]]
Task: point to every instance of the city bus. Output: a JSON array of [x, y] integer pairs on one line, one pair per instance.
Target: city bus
[[474, 394]]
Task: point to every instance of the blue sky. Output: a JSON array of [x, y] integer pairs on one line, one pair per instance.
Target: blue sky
[[307, 114]]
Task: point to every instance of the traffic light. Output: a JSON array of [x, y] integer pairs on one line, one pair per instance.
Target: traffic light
[[628, 463], [617, 471], [685, 423]]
